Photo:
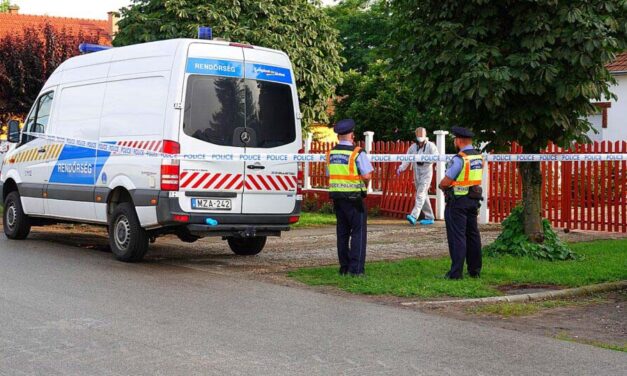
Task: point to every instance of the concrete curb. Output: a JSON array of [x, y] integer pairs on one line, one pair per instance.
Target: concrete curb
[[537, 296]]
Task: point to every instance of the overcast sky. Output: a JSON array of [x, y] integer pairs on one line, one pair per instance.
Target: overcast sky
[[96, 9]]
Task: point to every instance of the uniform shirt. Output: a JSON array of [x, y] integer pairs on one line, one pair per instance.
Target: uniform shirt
[[428, 148], [364, 167], [455, 167]]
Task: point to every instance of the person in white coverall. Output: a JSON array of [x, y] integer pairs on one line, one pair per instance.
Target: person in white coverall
[[423, 173]]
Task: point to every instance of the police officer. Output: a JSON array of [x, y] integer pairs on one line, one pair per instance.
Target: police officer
[[462, 187], [349, 173]]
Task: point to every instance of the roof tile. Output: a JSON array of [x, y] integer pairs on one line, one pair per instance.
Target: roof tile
[[619, 64], [14, 23]]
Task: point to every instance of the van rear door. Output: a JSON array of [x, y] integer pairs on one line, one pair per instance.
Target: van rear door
[[272, 127], [213, 119]]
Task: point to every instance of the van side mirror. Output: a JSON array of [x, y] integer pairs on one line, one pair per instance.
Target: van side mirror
[[13, 135]]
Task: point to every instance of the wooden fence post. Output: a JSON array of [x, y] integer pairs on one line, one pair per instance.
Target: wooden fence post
[[440, 169], [368, 146], [484, 211]]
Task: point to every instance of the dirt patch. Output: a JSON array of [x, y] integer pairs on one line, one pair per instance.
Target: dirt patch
[[525, 288], [387, 240], [598, 319]]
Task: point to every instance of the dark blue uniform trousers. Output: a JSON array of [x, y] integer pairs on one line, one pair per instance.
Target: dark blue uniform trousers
[[351, 235], [464, 240]]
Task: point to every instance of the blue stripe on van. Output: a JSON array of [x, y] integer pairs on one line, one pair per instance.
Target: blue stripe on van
[[78, 165], [268, 73], [215, 67]]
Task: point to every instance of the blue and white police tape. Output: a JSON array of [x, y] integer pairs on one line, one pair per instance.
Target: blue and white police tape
[[312, 158]]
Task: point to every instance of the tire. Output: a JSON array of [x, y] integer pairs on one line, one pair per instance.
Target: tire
[[127, 239], [247, 246], [16, 224]]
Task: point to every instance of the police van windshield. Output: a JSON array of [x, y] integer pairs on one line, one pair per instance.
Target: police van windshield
[[218, 109]]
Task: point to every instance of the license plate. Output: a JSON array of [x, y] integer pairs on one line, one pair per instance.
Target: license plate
[[211, 204]]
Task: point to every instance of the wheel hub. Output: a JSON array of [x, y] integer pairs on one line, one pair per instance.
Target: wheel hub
[[122, 232], [11, 216]]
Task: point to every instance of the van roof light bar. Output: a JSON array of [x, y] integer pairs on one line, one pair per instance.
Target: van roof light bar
[[205, 32], [86, 48]]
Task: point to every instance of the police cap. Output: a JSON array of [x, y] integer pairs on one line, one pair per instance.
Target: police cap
[[462, 132], [344, 126]]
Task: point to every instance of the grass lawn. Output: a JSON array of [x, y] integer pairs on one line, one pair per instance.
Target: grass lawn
[[602, 261], [315, 219]]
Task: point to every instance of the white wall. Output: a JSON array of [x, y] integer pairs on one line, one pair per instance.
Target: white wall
[[616, 115]]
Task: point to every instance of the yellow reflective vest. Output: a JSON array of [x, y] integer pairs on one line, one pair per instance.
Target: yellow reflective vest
[[344, 179], [471, 173]]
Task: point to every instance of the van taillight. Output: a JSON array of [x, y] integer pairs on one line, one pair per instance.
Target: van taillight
[[171, 147], [170, 170], [300, 177]]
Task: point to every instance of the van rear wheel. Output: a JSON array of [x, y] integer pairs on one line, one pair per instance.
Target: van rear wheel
[[127, 239], [247, 246], [15, 222]]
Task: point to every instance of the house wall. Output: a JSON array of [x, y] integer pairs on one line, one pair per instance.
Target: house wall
[[616, 115]]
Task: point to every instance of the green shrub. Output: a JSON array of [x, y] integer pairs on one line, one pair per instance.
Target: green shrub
[[513, 241], [374, 211], [326, 208], [310, 204]]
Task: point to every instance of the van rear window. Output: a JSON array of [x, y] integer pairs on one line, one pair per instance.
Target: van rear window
[[217, 109]]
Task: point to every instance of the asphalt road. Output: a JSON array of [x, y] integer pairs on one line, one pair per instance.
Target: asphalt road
[[66, 310]]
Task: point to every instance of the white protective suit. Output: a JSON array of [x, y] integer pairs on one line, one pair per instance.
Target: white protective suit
[[422, 178]]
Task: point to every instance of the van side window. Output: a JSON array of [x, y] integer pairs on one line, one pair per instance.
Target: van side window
[[38, 119]]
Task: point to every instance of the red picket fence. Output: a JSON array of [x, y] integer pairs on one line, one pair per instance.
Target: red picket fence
[[398, 191], [585, 195]]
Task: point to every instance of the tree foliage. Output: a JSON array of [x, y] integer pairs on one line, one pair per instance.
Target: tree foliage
[[380, 101], [28, 58], [521, 71], [298, 27], [512, 70], [373, 93], [364, 26], [4, 6]]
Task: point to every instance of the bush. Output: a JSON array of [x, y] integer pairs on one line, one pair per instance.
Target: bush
[[310, 203], [513, 241], [326, 208], [374, 211]]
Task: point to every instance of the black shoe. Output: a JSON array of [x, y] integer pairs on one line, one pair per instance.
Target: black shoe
[[449, 276], [475, 275], [343, 271], [358, 275]]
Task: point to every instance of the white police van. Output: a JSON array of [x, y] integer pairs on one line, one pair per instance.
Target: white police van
[[185, 96]]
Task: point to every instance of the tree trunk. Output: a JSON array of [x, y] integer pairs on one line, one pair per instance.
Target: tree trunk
[[532, 200]]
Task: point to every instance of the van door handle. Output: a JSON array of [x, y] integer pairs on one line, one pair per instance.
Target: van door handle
[[255, 167], [41, 150]]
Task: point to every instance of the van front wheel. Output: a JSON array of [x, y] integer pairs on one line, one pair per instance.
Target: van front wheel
[[247, 246], [16, 222], [128, 240]]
